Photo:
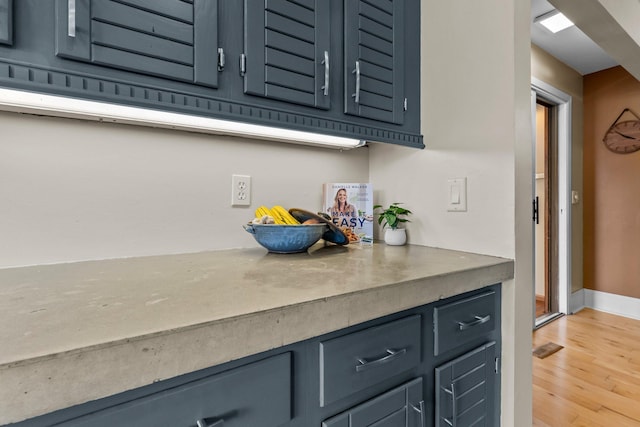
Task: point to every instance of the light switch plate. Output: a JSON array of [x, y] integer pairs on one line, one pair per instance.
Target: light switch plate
[[457, 195]]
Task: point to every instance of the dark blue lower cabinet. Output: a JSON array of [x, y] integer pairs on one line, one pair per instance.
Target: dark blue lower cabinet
[[400, 407], [434, 365], [258, 394], [359, 360], [466, 389]]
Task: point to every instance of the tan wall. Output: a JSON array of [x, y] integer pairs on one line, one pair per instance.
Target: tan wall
[[555, 73], [612, 183]]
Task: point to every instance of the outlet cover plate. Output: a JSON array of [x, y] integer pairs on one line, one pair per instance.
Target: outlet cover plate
[[240, 190]]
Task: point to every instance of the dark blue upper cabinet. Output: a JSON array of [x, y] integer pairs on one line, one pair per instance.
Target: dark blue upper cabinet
[[287, 53], [6, 22], [375, 59], [348, 68], [174, 39]]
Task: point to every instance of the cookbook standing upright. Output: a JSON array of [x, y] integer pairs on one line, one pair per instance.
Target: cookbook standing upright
[[350, 206]]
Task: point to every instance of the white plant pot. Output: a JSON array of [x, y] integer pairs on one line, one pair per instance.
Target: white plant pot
[[395, 237]]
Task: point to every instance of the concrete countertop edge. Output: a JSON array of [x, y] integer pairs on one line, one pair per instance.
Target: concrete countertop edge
[[48, 383], [184, 328]]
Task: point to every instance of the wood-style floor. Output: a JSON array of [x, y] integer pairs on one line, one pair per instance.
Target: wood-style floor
[[595, 379], [540, 307]]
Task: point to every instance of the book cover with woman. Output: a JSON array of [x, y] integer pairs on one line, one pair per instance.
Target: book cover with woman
[[350, 206]]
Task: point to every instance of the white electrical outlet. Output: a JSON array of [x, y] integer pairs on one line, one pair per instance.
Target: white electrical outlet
[[240, 190]]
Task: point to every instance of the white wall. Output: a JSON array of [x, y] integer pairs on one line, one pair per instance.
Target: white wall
[[73, 190], [476, 122], [467, 93]]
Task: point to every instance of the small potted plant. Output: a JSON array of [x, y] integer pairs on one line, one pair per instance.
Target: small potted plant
[[392, 217]]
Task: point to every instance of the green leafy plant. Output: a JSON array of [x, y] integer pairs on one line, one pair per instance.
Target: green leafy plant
[[392, 216]]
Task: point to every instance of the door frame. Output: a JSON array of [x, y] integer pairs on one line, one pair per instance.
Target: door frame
[[562, 101]]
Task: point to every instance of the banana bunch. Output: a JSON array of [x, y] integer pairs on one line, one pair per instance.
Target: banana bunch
[[278, 214]]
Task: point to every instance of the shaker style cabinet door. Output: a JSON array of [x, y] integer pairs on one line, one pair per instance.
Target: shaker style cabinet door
[[287, 53], [466, 389], [6, 22], [174, 39], [374, 59], [400, 407]]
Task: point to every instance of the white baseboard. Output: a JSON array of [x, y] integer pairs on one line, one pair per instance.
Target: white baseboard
[[611, 303], [577, 302]]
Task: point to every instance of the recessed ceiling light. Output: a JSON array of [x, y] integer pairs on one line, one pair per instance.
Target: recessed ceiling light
[[554, 21]]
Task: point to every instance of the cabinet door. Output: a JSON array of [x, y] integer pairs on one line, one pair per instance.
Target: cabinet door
[[172, 39], [287, 51], [400, 407], [6, 22], [374, 59], [466, 389]]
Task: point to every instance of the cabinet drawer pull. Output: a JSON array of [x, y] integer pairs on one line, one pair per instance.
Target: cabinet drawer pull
[[478, 321], [325, 88], [71, 18], [203, 423], [390, 356], [420, 410], [356, 95]]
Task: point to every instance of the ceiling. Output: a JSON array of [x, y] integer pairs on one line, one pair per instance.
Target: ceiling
[[570, 46]]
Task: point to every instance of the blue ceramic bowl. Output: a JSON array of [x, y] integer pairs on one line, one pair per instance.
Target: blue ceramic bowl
[[286, 239]]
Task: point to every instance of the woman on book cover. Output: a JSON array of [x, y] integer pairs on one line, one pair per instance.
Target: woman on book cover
[[341, 207]]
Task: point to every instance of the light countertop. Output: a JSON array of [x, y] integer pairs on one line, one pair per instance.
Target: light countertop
[[76, 332]]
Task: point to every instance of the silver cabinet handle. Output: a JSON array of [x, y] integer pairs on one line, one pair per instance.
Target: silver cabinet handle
[[71, 18], [325, 88], [203, 423], [243, 64], [221, 59], [420, 410], [478, 320], [357, 73], [454, 406], [390, 356]]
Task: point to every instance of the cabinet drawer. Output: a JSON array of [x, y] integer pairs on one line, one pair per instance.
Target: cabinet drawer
[[402, 406], [460, 322], [356, 361], [258, 394]]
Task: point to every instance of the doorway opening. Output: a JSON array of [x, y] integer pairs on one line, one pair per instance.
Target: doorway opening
[[545, 212], [551, 114]]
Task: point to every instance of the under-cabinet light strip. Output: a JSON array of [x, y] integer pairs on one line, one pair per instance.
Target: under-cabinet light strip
[[37, 103]]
